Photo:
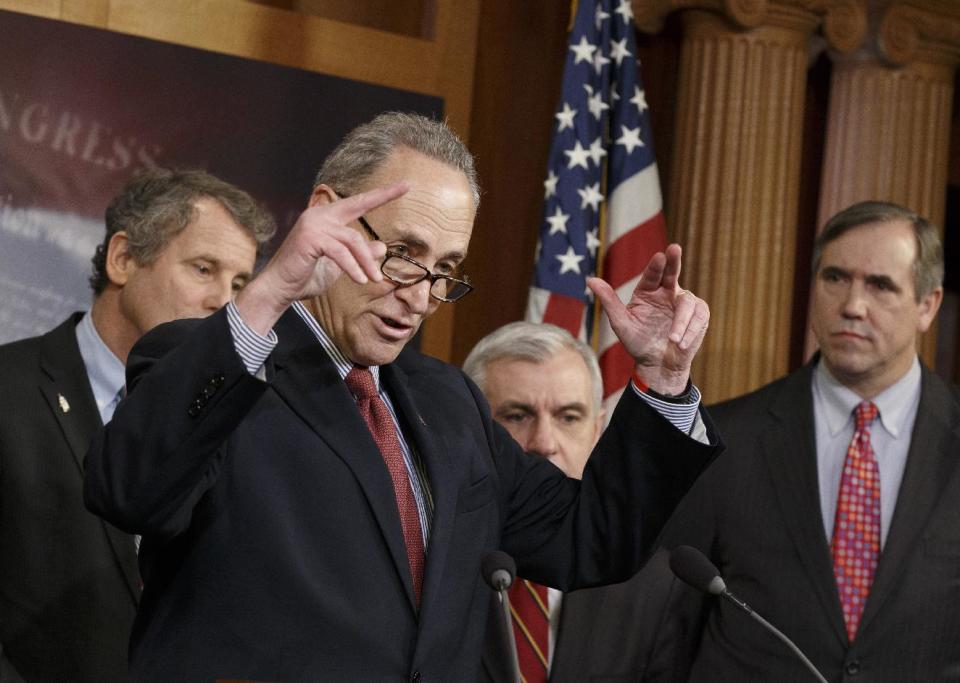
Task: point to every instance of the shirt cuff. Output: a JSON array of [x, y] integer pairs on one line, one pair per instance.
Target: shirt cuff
[[252, 347], [681, 411]]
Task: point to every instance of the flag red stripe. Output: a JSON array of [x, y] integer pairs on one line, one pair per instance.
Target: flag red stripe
[[566, 312], [627, 255], [616, 366]]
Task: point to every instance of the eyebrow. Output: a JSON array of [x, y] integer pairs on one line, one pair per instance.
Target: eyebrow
[[417, 244], [873, 279], [245, 275], [520, 405]]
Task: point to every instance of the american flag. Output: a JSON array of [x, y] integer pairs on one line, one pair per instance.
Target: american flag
[[602, 201]]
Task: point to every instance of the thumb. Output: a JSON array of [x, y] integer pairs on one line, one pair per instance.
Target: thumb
[[611, 303]]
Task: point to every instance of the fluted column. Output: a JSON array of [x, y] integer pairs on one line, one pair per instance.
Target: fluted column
[[889, 115], [735, 178]]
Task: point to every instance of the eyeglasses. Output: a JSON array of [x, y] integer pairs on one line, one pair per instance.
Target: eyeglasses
[[404, 271]]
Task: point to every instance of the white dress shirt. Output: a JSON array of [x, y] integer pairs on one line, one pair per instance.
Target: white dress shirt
[[833, 406]]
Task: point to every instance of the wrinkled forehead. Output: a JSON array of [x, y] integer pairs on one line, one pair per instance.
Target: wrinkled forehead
[[883, 248], [437, 211]]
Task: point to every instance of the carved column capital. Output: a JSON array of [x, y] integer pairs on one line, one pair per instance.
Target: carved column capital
[[842, 22], [920, 31]]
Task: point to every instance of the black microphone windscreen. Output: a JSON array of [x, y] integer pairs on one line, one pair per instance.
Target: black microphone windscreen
[[692, 567], [496, 566]]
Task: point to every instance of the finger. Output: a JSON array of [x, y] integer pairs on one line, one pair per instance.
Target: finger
[[697, 329], [671, 269], [359, 258], [684, 305], [652, 275], [614, 308], [352, 207]]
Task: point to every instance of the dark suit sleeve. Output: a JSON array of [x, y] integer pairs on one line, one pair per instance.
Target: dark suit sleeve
[[680, 622], [570, 534], [188, 390]]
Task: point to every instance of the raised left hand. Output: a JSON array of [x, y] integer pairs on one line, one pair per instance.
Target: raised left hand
[[662, 326]]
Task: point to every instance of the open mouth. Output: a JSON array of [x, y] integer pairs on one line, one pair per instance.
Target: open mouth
[[393, 328]]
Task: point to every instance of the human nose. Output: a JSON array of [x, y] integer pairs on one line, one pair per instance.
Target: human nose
[[218, 296], [416, 296], [854, 301], [543, 438]]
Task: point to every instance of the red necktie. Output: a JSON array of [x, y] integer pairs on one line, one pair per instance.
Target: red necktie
[[855, 546], [531, 629], [378, 419]]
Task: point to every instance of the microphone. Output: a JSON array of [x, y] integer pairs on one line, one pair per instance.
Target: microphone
[[693, 568], [498, 570]]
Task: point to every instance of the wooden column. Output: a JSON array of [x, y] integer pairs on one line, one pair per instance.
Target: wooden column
[[889, 121], [734, 182]]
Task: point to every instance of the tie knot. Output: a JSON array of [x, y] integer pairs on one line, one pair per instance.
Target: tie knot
[[865, 414], [360, 383]]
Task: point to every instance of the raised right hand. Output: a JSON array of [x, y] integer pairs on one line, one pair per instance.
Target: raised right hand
[[319, 248]]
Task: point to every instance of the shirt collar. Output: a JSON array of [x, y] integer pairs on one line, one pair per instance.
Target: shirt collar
[[341, 362], [893, 403], [105, 370]]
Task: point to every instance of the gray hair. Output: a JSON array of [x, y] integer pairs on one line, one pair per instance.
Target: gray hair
[[928, 264], [534, 342], [369, 145], [157, 205]]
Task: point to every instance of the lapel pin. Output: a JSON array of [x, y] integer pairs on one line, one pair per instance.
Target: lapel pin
[[64, 406]]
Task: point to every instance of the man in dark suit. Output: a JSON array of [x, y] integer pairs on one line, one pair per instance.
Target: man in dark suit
[[775, 514], [177, 244], [545, 388], [315, 498]]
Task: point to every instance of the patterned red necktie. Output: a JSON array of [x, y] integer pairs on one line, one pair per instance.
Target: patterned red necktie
[[531, 629], [855, 546], [378, 419]]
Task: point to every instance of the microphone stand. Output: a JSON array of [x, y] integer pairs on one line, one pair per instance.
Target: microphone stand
[[774, 630], [511, 640]]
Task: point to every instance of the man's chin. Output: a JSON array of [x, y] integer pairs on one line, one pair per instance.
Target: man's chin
[[378, 353]]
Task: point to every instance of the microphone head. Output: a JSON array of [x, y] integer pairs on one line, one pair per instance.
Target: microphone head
[[498, 570], [692, 567]]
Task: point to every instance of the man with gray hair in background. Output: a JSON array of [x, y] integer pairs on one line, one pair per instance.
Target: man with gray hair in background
[[316, 497], [177, 244], [545, 387]]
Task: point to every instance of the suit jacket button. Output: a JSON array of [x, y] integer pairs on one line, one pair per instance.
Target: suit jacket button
[[853, 667], [415, 678]]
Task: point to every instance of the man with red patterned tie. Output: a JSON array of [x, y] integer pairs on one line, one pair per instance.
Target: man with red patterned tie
[[316, 496], [545, 387], [835, 514]]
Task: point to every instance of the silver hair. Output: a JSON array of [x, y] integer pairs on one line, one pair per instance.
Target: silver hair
[[369, 145], [534, 342]]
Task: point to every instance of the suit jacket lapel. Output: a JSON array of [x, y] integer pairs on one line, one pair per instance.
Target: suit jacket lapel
[[308, 381], [933, 455], [789, 449], [68, 395], [67, 390], [576, 610]]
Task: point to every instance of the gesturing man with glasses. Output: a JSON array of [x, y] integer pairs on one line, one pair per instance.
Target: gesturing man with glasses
[[405, 271], [315, 499]]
